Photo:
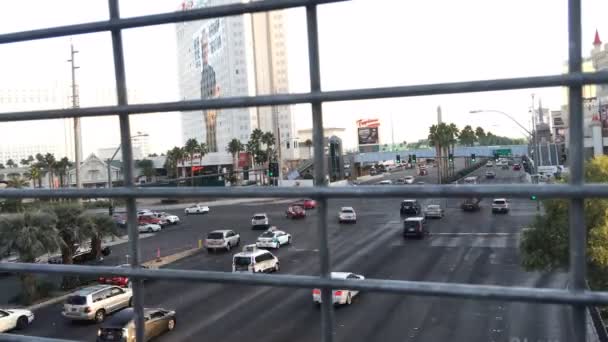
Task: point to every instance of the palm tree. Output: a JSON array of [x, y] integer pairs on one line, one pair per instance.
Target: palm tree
[[61, 167], [191, 148], [2, 166], [176, 155], [98, 227], [234, 148], [467, 136], [14, 205], [10, 163], [17, 182], [147, 168], [70, 229], [309, 144], [30, 235], [36, 175]]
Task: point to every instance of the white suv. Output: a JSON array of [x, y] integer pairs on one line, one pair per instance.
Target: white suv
[[95, 302], [260, 221], [254, 260], [500, 205], [225, 239]]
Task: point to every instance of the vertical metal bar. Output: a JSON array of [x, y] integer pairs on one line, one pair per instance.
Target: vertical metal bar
[[127, 157], [578, 232], [319, 166]]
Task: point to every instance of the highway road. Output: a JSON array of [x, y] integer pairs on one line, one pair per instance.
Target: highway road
[[474, 248]]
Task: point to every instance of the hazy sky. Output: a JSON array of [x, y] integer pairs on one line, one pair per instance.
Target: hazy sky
[[364, 43]]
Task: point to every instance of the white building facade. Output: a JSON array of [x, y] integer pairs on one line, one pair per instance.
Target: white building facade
[[229, 57]]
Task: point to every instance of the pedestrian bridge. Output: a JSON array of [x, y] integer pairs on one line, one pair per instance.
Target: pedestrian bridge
[[459, 151]]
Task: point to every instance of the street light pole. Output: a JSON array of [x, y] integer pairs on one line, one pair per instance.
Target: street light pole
[[109, 162], [532, 135]]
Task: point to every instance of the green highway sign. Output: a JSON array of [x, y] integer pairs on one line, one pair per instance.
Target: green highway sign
[[503, 152]]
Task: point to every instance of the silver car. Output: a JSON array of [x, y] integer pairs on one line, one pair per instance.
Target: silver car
[[433, 210], [95, 302]]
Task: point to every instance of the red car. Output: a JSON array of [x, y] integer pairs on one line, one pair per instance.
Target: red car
[[308, 203], [295, 211], [117, 280], [145, 219], [516, 167]]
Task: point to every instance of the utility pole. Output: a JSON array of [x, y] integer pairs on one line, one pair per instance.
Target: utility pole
[[76, 104], [535, 139]]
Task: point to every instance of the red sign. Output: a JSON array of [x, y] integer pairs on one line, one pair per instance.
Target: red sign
[[368, 123], [243, 159], [197, 168]]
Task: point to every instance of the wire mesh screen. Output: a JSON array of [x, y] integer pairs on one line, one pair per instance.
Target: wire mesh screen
[[576, 190]]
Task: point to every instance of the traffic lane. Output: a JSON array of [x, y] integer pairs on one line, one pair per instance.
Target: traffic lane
[[294, 260]]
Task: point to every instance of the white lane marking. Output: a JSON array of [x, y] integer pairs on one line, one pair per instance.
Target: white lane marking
[[474, 234]]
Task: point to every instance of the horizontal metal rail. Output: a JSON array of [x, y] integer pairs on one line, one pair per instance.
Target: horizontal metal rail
[[415, 191], [158, 19], [572, 79], [404, 287], [22, 338]]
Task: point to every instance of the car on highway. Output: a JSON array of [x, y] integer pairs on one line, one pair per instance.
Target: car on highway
[[254, 260], [222, 239], [409, 179], [152, 219], [96, 302], [308, 203], [295, 211], [470, 204], [347, 215], [15, 319], [339, 297], [81, 256], [386, 182], [172, 219], [505, 166], [260, 221], [415, 226], [490, 174], [433, 210], [148, 227], [410, 207], [500, 205], [144, 212], [516, 167], [121, 281], [120, 220], [197, 209], [121, 326], [273, 238], [489, 164]]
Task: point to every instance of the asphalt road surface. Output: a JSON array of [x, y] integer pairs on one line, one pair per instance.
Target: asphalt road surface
[[462, 248]]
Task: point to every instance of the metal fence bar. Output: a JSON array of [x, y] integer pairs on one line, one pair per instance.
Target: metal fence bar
[[402, 287], [578, 230], [158, 19], [589, 190], [127, 157], [571, 79], [327, 311]]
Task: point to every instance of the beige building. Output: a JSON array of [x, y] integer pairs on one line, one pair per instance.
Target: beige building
[[241, 55], [304, 135], [595, 105]]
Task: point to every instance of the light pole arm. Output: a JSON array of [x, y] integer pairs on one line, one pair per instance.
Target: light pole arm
[[507, 115], [109, 166]]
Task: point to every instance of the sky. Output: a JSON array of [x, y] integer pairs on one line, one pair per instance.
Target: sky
[[363, 43]]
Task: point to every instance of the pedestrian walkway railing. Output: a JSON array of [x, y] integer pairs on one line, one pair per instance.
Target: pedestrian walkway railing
[[576, 190]]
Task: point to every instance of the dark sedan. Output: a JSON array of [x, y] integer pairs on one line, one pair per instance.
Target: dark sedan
[[121, 326]]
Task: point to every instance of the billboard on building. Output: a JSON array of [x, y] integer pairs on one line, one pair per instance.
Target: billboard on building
[[368, 135], [210, 58], [243, 160]]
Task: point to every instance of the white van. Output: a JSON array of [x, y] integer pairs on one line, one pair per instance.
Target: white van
[[254, 260]]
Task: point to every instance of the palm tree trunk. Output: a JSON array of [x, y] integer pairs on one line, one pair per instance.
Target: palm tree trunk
[[191, 170], [28, 282], [67, 258], [96, 247]]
